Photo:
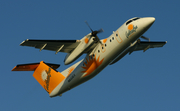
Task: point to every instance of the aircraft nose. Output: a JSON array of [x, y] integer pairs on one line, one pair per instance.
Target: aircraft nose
[[148, 21]]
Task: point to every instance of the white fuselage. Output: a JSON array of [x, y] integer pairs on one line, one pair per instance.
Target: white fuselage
[[104, 54]]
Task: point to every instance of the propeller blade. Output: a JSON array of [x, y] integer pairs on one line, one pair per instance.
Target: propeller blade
[[94, 33], [100, 30], [88, 26]]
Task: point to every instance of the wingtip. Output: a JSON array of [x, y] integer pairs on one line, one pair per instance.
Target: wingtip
[[14, 69], [23, 42]]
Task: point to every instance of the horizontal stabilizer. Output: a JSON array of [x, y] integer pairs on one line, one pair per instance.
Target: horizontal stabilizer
[[32, 66]]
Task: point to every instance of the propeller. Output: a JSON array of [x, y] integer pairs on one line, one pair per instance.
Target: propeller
[[94, 33], [145, 38]]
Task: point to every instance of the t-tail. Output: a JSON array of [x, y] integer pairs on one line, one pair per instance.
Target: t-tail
[[44, 73]]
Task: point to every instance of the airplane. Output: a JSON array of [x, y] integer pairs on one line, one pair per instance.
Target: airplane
[[99, 54]]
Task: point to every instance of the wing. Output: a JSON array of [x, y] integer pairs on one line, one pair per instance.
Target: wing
[[142, 45], [54, 45], [139, 45]]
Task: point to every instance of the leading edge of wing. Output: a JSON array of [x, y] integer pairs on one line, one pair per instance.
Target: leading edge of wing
[[53, 45]]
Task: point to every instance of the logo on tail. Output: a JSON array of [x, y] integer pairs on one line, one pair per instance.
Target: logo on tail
[[46, 75]]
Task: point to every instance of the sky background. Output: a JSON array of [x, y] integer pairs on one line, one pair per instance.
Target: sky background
[[147, 81]]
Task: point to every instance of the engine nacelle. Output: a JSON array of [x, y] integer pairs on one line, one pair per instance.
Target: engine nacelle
[[85, 43]]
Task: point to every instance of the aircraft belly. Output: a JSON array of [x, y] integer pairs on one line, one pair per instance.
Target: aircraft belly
[[78, 77]]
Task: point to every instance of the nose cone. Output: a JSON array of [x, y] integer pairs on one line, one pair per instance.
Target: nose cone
[[148, 21]]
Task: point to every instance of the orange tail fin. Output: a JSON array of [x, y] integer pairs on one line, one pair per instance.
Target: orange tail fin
[[44, 74]]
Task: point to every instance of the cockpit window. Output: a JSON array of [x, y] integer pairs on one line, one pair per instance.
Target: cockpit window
[[135, 18], [128, 22]]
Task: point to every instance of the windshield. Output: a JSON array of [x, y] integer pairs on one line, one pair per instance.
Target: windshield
[[134, 19]]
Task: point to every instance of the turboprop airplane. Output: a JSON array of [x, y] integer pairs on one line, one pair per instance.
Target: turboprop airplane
[[99, 54]]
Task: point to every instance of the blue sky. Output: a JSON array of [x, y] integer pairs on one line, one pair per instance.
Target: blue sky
[[147, 81]]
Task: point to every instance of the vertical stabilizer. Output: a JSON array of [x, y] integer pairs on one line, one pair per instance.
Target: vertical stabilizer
[[44, 73], [47, 77]]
